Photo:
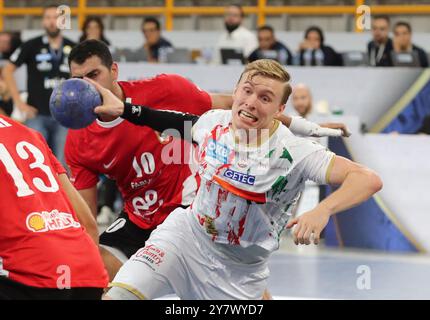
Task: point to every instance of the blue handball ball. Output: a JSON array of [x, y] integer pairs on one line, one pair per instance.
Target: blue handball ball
[[72, 103]]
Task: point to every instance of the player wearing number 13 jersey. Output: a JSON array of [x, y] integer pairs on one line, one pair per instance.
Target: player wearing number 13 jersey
[[43, 244]]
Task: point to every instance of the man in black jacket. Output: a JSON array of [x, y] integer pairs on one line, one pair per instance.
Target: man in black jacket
[[155, 45], [270, 48], [403, 42], [46, 58], [313, 51], [379, 49]]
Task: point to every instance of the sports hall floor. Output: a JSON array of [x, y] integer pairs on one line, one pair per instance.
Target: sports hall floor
[[310, 273], [319, 272]]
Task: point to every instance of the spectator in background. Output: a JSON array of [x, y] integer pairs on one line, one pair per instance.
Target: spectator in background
[[235, 36], [9, 41], [379, 49], [93, 28], [6, 102], [313, 52], [154, 48], [402, 42], [302, 100], [46, 58], [270, 48], [5, 45], [302, 104]]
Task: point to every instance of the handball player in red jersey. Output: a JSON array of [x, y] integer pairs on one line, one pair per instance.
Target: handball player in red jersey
[[48, 237]]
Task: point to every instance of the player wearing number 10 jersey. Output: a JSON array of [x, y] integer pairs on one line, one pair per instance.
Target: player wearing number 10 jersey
[[152, 182], [43, 245], [151, 171]]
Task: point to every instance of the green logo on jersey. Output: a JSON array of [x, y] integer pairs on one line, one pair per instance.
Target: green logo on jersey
[[269, 155], [279, 185], [286, 155]]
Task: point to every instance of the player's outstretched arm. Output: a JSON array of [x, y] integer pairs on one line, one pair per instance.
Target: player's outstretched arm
[[159, 120], [303, 127], [297, 125], [177, 123], [81, 208], [221, 101], [358, 184], [337, 126]]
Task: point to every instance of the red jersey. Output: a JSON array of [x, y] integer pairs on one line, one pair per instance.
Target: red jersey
[[42, 242], [152, 172]]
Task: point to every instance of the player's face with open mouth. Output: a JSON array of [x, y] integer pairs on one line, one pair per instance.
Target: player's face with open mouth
[[94, 69], [256, 102]]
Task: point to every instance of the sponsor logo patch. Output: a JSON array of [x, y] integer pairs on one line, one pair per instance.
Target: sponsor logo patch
[[239, 177], [150, 255], [140, 184], [43, 57], [218, 151], [50, 221]]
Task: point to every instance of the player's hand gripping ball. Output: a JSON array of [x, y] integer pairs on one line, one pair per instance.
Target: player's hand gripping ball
[[72, 103]]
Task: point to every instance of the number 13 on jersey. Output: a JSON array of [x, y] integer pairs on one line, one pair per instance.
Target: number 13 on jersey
[[23, 149]]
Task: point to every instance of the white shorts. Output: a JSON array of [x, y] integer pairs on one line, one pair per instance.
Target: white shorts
[[175, 261]]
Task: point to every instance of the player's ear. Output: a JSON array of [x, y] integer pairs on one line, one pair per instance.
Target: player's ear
[[281, 109], [114, 71]]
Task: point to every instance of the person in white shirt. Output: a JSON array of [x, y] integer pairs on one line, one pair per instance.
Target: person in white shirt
[[236, 36], [252, 171]]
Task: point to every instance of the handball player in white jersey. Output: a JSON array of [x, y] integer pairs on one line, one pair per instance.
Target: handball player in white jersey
[[252, 170]]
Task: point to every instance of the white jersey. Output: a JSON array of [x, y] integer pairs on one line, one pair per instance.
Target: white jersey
[[241, 39], [246, 193], [218, 247]]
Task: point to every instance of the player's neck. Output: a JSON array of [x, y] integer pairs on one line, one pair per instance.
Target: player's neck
[[117, 91]]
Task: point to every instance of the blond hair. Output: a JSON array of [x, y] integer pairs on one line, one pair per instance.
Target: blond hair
[[272, 69]]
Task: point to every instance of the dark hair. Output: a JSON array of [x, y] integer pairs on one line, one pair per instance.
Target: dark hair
[[49, 6], [403, 24], [89, 48], [239, 6], [266, 28], [317, 30], [152, 20], [99, 22], [383, 17], [14, 42]]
